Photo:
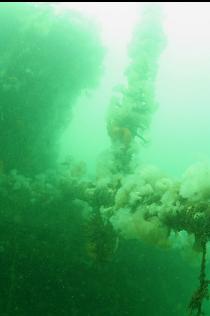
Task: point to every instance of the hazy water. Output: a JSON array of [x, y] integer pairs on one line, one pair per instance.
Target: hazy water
[[180, 125], [43, 267]]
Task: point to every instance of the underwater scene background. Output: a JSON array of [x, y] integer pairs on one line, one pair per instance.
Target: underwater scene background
[[104, 159]]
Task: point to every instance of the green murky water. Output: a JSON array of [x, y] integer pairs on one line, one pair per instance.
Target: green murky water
[[98, 216]]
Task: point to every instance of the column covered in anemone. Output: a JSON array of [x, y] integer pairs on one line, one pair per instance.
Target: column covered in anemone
[[131, 109]]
